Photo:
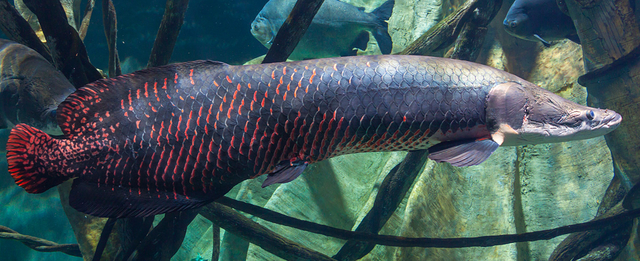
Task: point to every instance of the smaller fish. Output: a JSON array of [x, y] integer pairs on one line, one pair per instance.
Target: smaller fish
[[336, 29], [30, 88], [539, 21]]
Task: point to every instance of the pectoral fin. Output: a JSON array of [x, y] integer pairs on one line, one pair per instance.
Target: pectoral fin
[[285, 171], [463, 153], [544, 42]]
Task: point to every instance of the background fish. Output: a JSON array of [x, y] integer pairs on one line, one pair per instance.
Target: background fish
[[336, 29], [539, 21], [30, 88]]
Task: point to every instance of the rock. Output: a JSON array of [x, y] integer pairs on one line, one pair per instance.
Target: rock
[[330, 192]]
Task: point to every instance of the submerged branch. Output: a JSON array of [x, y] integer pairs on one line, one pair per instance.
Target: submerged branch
[[215, 251], [292, 30], [84, 26], [444, 33], [40, 244], [166, 238], [235, 223], [168, 32], [67, 50], [483, 241], [104, 237], [110, 23], [19, 30]]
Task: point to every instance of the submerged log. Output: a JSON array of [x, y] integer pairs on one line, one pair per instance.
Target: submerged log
[[609, 33]]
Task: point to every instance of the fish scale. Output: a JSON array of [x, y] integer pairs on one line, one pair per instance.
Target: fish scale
[[186, 133]]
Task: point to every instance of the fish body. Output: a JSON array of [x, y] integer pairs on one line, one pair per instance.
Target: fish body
[[30, 88], [539, 21], [179, 136], [336, 29]]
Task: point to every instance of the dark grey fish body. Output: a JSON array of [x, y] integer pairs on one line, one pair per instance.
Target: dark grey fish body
[[336, 29], [30, 88], [539, 21]]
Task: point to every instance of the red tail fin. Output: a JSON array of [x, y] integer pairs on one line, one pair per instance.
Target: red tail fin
[[35, 159]]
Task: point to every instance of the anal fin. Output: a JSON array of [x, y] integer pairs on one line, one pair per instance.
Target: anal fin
[[121, 202], [285, 172], [463, 153]]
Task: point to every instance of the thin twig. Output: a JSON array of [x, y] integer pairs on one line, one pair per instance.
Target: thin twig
[[40, 244]]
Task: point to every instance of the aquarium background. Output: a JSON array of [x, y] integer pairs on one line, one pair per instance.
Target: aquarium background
[[519, 189], [214, 30]]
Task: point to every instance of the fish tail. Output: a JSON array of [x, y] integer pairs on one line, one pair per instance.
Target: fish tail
[[36, 160], [381, 32]]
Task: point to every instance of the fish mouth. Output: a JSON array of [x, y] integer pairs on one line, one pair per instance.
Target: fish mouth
[[611, 122]]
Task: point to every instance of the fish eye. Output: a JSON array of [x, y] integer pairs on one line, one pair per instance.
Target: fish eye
[[591, 115]]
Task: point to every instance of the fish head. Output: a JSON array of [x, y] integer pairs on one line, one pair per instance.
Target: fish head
[[520, 113], [263, 30], [31, 101], [518, 24]]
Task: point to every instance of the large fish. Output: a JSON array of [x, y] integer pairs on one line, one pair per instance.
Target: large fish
[[30, 88], [539, 21], [336, 29], [179, 136]]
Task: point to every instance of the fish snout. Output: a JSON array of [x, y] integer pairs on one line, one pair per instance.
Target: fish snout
[[609, 119]]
